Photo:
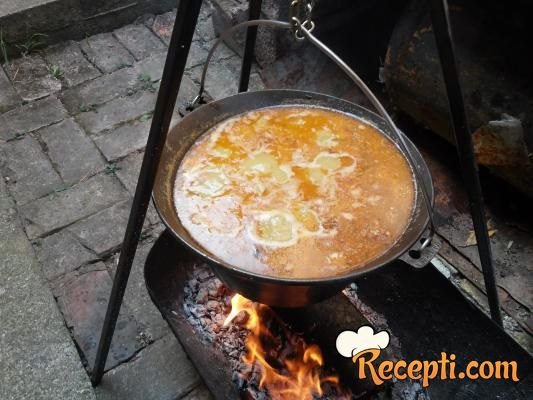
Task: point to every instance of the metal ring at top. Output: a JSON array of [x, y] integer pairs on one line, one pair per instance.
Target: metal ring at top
[[300, 12]]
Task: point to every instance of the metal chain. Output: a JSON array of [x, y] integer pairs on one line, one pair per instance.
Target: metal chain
[[300, 16]]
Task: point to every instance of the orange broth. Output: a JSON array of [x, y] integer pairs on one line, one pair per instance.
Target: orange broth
[[295, 192]]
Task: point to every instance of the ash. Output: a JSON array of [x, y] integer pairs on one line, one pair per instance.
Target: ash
[[206, 304]]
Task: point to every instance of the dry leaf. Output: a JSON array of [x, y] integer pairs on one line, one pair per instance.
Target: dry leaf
[[471, 240]]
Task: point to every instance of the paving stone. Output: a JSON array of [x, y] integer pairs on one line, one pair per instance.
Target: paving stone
[[139, 40], [117, 111], [106, 52], [223, 78], [150, 321], [152, 66], [197, 55], [205, 30], [107, 87], [161, 371], [270, 44], [308, 69], [103, 232], [163, 24], [61, 253], [146, 19], [82, 298], [31, 78], [74, 67], [57, 210], [72, 152], [8, 96], [223, 52], [128, 171], [30, 172], [100, 90], [124, 140], [39, 360], [199, 393], [31, 117]]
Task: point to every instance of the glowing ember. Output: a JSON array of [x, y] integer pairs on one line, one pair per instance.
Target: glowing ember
[[290, 370]]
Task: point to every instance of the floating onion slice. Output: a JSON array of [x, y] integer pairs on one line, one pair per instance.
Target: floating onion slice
[[262, 163], [307, 218], [342, 163], [221, 152], [274, 228], [317, 176], [211, 182], [326, 138], [330, 162]]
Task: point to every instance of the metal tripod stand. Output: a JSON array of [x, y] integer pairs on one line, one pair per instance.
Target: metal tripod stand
[[186, 19]]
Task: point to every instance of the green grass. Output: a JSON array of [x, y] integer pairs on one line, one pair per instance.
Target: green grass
[[3, 48], [18, 136], [35, 42]]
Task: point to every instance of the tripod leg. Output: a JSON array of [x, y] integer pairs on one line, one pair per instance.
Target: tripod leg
[[166, 99], [251, 35], [465, 149]]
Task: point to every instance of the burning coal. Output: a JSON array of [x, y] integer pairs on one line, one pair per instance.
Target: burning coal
[[284, 364]]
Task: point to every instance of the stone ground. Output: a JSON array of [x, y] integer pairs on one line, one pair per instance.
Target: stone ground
[[74, 120]]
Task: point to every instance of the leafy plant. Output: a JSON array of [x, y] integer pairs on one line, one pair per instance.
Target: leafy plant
[[34, 42], [88, 107], [144, 235], [145, 117], [56, 72], [110, 169], [147, 83]]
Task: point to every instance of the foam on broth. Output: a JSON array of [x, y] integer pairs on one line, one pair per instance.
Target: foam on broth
[[295, 192]]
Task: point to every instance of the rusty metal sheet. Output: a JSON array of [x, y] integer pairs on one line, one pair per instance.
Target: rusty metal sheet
[[496, 80], [510, 219]]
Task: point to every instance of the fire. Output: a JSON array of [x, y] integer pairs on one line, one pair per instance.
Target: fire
[[287, 371]]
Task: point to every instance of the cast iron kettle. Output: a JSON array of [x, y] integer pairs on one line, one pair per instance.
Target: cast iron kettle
[[284, 292]]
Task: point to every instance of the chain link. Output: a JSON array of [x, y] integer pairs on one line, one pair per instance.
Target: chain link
[[300, 16]]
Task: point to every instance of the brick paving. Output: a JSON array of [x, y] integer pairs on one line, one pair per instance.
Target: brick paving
[[74, 119]]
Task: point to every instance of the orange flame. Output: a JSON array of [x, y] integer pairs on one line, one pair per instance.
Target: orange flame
[[298, 375]]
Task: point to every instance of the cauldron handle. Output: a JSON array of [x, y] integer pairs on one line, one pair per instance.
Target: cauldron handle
[[301, 28]]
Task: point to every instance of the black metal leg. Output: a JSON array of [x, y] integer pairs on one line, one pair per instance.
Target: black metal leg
[[465, 148], [178, 51], [251, 35]]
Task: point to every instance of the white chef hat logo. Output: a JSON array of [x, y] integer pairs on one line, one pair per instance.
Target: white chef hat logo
[[349, 343]]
